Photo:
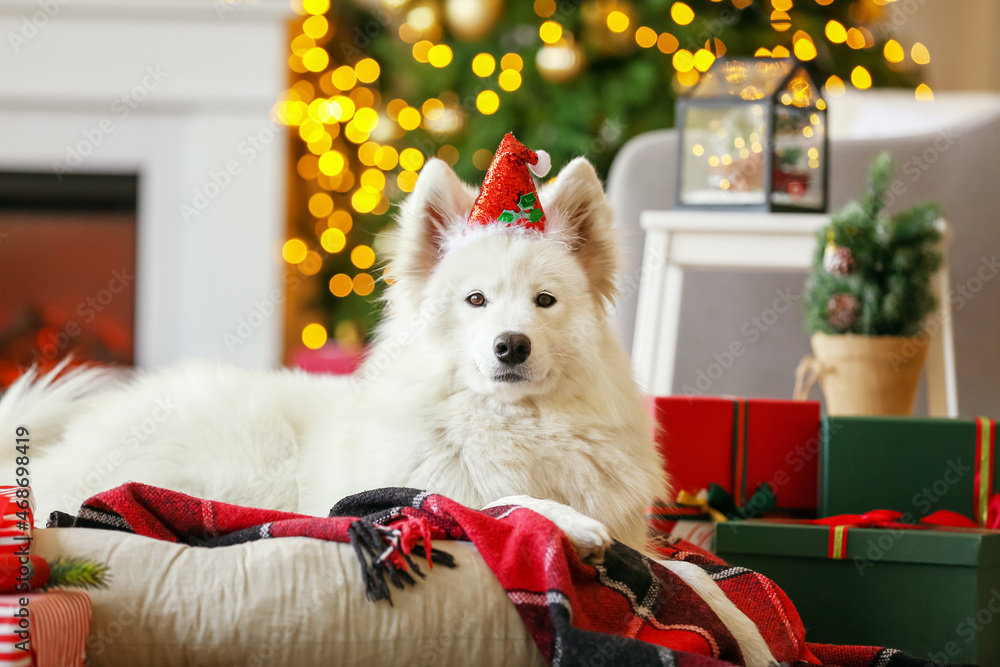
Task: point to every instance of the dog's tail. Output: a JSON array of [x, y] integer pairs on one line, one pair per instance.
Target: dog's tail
[[37, 407]]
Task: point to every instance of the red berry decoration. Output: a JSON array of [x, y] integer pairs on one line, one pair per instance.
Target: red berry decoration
[[10, 573], [60, 572]]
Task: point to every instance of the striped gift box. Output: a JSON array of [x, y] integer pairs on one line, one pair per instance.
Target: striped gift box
[[10, 502], [12, 539], [58, 624]]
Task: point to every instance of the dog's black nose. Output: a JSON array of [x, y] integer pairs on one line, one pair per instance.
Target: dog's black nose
[[512, 348]]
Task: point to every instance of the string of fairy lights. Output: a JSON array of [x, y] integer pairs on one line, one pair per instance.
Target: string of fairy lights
[[352, 164]]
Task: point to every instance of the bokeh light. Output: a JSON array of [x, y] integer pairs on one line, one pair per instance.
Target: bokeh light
[[860, 78], [364, 284], [408, 118], [440, 55], [367, 70], [645, 37], [511, 61], [316, 59], [294, 251], [920, 54], [411, 159], [681, 13], [321, 204], [314, 336], [487, 102], [362, 257], [509, 80], [893, 51], [617, 21], [483, 64], [550, 32], [333, 240], [835, 32], [341, 285]]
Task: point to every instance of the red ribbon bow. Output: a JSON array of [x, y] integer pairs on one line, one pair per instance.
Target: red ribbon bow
[[840, 523]]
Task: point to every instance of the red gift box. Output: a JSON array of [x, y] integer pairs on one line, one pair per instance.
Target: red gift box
[[741, 443]]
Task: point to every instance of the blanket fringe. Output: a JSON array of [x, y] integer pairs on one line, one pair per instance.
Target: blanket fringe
[[384, 552]]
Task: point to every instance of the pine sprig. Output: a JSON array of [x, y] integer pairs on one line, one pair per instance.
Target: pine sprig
[[895, 258], [77, 573]]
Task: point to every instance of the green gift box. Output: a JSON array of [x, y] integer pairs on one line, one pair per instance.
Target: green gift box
[[932, 593], [914, 466]]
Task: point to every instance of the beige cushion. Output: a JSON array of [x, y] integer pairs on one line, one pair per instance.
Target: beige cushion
[[288, 601]]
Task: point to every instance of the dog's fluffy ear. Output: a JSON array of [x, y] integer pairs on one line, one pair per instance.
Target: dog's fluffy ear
[[435, 210], [579, 214]]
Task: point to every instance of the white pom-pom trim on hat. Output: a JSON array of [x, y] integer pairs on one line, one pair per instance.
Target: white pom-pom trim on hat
[[543, 165]]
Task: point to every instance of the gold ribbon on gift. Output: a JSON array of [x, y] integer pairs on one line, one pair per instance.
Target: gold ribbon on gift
[[700, 500], [983, 482]]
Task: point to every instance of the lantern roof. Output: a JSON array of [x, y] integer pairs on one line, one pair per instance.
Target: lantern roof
[[752, 79]]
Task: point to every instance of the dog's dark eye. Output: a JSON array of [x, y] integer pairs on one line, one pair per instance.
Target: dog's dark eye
[[476, 300], [544, 300]]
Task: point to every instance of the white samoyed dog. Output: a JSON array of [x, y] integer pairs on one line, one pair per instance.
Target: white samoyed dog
[[495, 378]]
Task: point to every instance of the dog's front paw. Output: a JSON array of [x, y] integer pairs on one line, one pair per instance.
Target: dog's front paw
[[589, 537]]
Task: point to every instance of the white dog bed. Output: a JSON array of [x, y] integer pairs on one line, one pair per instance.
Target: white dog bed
[[289, 601]]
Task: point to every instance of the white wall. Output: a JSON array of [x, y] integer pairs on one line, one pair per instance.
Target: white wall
[[961, 35]]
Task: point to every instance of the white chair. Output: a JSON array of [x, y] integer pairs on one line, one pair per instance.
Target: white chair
[[945, 151]]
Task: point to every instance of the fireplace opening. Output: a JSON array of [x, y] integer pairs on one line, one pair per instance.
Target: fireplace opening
[[67, 270]]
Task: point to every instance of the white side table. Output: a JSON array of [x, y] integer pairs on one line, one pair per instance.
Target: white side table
[[676, 240]]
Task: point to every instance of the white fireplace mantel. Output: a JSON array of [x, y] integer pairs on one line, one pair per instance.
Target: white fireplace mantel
[[179, 92]]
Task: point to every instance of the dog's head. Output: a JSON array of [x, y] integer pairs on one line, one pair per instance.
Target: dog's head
[[511, 310]]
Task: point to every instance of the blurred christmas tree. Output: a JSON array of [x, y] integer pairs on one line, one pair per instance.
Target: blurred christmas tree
[[381, 86]]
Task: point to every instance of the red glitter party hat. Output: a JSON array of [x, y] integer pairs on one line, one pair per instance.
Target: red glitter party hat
[[508, 196]]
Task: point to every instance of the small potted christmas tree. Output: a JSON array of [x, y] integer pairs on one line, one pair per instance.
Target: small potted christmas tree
[[867, 298]]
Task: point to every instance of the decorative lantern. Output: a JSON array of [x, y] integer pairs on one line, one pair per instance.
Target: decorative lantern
[[753, 137]]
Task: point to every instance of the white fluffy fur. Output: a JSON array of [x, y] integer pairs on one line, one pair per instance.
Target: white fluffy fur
[[425, 411]]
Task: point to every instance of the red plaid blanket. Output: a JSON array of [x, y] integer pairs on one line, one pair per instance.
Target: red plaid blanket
[[627, 611]]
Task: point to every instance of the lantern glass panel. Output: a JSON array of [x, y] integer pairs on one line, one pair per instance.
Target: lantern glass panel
[[799, 145], [723, 155]]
